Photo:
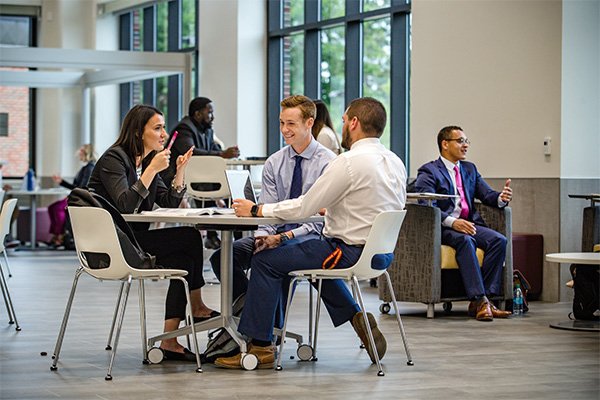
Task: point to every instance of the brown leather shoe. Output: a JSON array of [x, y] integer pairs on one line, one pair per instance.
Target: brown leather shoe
[[265, 356], [358, 323], [484, 312], [497, 313]]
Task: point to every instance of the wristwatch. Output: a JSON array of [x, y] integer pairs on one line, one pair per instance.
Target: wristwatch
[[254, 210], [283, 237]]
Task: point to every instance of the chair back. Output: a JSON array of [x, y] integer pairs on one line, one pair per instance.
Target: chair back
[[95, 234], [5, 215], [381, 240], [205, 176]]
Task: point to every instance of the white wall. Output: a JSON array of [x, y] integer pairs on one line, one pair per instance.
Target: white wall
[[580, 151], [494, 68], [232, 70], [64, 24]]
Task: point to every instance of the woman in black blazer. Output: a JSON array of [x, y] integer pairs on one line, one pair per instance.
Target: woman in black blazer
[[127, 175]]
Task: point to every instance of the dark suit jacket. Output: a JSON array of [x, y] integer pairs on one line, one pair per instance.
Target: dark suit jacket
[[189, 135], [433, 177], [115, 178]]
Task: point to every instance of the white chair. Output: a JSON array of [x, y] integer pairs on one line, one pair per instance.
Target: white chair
[[381, 240], [206, 180], [94, 233], [7, 211]]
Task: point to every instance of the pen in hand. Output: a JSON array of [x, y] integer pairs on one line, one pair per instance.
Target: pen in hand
[[172, 140]]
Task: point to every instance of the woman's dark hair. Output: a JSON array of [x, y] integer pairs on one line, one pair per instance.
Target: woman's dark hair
[[323, 118], [130, 136]]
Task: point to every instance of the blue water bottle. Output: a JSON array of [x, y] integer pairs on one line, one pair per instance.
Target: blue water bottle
[[30, 180]]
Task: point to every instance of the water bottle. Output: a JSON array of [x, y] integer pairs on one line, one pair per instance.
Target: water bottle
[[518, 300], [30, 180]]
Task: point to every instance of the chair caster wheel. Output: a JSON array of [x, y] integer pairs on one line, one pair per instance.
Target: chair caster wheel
[[447, 306], [155, 355], [199, 370], [305, 352], [53, 368], [108, 348], [108, 378], [410, 363], [381, 373], [278, 368], [385, 308], [249, 362]]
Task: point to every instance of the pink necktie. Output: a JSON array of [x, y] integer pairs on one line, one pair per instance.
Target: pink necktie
[[464, 206]]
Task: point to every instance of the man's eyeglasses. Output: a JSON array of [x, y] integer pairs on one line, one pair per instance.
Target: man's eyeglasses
[[459, 140]]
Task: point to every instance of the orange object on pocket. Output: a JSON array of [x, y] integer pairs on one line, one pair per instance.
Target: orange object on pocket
[[332, 260]]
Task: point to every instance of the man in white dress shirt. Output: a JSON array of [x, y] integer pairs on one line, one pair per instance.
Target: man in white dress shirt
[[356, 186]]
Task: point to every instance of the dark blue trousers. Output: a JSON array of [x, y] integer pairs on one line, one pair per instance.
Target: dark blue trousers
[[486, 280], [270, 270]]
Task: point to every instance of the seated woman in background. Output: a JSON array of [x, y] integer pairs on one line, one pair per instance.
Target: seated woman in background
[[127, 175], [57, 210], [322, 129]]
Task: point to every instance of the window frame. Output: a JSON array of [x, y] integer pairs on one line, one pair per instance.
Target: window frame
[[399, 14], [175, 107]]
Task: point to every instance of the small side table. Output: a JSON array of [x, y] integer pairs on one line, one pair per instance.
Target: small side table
[[583, 259]]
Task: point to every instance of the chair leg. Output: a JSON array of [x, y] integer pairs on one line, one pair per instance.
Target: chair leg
[[142, 302], [7, 265], [317, 318], [63, 325], [12, 317], [400, 325], [430, 310], [108, 376], [310, 315], [190, 320], [285, 320], [366, 321], [114, 320]]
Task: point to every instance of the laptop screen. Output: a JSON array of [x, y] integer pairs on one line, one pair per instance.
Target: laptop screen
[[240, 184]]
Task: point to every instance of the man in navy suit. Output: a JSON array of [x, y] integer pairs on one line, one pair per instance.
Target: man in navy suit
[[462, 227]]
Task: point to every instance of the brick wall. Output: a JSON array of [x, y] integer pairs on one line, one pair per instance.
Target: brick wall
[[14, 148]]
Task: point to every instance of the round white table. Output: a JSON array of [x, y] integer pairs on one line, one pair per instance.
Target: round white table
[[582, 259]]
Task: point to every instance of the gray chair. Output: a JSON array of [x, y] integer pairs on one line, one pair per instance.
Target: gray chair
[[416, 272]]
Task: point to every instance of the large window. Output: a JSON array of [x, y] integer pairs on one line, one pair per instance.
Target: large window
[[17, 145], [338, 50], [160, 26]]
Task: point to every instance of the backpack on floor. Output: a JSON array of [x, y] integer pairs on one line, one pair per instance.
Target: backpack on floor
[[221, 344], [586, 302]]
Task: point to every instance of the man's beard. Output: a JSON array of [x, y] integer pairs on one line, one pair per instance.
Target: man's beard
[[346, 138]]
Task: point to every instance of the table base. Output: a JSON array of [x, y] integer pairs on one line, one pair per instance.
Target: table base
[[577, 325]]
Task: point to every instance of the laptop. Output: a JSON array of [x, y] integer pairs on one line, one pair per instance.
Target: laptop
[[240, 185]]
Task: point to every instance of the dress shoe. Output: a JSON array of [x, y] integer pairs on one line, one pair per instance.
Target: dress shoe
[[177, 356], [202, 319], [265, 356], [358, 323], [212, 242], [483, 311], [497, 313]]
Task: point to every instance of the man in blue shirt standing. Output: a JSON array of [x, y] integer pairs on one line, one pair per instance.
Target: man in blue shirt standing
[[287, 174]]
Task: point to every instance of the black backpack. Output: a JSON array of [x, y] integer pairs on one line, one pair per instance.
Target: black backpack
[[132, 251], [586, 303], [220, 343]]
